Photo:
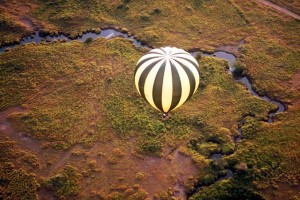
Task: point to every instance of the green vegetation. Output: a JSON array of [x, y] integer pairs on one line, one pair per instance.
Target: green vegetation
[[226, 190], [208, 148], [64, 83], [268, 165], [10, 154], [88, 97], [66, 183], [16, 183], [137, 194], [10, 31], [270, 57], [63, 77], [152, 22], [260, 163], [239, 69], [89, 40]]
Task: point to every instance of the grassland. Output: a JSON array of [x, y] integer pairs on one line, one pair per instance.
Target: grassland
[[88, 131], [271, 56], [68, 102], [10, 31], [205, 24], [290, 5], [15, 20], [266, 167], [198, 23], [16, 183]]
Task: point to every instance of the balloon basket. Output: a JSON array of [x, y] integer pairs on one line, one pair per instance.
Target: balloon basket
[[165, 116]]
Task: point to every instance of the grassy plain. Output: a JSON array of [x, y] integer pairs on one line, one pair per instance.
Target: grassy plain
[[68, 102], [81, 125], [292, 5], [204, 24], [271, 56]]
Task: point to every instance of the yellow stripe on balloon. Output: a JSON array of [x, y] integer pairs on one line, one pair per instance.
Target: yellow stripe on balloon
[[148, 88], [167, 88], [185, 84]]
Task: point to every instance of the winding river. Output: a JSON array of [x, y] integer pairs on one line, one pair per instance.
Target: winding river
[[244, 80], [110, 33]]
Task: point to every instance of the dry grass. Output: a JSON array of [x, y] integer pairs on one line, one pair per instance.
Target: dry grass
[[292, 5]]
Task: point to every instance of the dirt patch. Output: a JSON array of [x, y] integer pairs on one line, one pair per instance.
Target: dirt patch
[[28, 23], [44, 194], [22, 139], [24, 8], [20, 12], [296, 81], [233, 49], [162, 173], [113, 159], [154, 174], [49, 160], [61, 161]]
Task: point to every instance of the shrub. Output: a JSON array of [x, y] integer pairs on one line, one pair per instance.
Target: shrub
[[140, 176], [208, 148], [118, 153], [226, 190], [122, 7], [139, 195], [145, 17], [208, 179], [16, 184], [150, 147], [65, 183], [156, 11], [239, 69], [250, 128], [227, 148], [115, 196], [200, 123], [89, 40], [222, 173], [92, 164], [6, 151], [198, 3], [18, 67]]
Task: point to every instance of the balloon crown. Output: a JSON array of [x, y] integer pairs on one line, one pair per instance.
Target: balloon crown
[[167, 77]]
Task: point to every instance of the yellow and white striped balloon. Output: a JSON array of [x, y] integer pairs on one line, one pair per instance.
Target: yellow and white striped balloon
[[167, 77]]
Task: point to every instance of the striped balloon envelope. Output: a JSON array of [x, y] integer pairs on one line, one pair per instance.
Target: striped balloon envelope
[[167, 77]]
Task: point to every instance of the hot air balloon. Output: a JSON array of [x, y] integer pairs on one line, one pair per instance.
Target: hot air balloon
[[166, 78]]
